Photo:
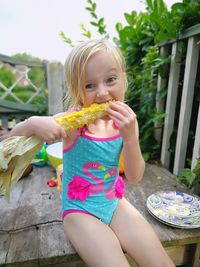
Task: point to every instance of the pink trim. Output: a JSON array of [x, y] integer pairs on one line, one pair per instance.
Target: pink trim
[[66, 212], [66, 149], [101, 138]]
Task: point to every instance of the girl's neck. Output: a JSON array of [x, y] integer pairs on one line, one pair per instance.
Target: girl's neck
[[101, 128]]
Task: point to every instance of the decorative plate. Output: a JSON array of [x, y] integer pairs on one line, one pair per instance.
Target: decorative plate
[[174, 208]]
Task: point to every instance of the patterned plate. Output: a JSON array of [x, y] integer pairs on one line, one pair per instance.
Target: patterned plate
[[174, 208]]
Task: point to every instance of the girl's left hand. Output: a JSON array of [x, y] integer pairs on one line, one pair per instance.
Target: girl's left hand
[[125, 118]]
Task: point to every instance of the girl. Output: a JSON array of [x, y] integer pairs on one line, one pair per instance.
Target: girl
[[100, 223]]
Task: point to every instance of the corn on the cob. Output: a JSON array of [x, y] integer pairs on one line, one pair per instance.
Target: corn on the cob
[[17, 152], [83, 117]]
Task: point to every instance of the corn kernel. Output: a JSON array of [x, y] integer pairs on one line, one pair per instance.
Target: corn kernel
[[85, 116]]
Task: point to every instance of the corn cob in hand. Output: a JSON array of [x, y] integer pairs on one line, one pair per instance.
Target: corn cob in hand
[[85, 116], [17, 152]]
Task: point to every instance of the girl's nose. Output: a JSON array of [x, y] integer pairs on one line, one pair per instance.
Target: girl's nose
[[102, 92]]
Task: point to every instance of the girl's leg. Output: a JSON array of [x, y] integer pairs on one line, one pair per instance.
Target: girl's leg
[[94, 241], [137, 238]]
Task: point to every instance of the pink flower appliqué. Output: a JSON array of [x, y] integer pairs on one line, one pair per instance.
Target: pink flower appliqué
[[78, 188], [119, 187]]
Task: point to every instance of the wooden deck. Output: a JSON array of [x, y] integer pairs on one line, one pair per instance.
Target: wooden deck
[[31, 232]]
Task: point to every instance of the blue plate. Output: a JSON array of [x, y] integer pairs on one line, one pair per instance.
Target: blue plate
[[174, 208]]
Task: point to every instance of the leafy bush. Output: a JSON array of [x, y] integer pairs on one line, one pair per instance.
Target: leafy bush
[[139, 42], [191, 178]]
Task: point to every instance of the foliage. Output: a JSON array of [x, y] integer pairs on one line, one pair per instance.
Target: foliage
[[186, 177], [196, 172], [191, 178], [96, 22], [139, 42], [6, 76]]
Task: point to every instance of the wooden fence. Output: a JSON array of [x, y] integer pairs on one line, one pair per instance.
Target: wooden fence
[[51, 90], [183, 88]]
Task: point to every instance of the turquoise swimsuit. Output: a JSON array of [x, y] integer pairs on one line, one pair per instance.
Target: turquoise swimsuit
[[91, 183]]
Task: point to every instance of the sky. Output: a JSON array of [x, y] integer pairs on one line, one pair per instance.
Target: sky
[[33, 26]]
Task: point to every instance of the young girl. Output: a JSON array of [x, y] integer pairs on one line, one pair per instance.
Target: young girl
[[100, 223]]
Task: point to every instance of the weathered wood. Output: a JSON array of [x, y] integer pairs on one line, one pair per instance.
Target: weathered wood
[[178, 254], [186, 104], [56, 87], [23, 247], [31, 231], [4, 246], [196, 148], [161, 84], [196, 260], [14, 61], [172, 92]]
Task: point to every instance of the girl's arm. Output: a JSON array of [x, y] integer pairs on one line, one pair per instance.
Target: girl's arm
[[43, 127], [128, 127]]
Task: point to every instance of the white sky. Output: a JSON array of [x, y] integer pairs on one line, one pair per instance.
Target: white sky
[[33, 26]]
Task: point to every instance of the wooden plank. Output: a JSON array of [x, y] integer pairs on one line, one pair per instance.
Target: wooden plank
[[178, 253], [39, 204], [23, 248], [4, 247], [170, 105], [14, 61], [54, 248], [9, 105], [196, 261], [189, 32], [186, 104], [37, 225], [161, 84], [56, 87], [196, 148]]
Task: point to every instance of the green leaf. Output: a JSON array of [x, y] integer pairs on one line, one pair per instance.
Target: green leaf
[[101, 21], [89, 9], [94, 23], [93, 15], [118, 27], [94, 5], [129, 18]]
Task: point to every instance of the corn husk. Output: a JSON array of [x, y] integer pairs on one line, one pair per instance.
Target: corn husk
[[17, 152]]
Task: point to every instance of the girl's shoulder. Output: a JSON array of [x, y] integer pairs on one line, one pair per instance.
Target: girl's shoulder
[[59, 115]]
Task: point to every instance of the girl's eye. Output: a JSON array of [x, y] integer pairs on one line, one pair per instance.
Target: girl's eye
[[111, 79], [89, 86]]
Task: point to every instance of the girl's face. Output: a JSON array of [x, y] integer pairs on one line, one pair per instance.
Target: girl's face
[[104, 80]]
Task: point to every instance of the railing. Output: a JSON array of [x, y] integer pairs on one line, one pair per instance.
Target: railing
[[181, 104], [19, 100]]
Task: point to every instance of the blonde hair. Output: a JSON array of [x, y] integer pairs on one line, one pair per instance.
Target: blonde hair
[[75, 67]]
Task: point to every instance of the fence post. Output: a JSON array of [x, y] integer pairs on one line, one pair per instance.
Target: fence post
[[56, 87], [172, 92], [191, 66], [196, 147], [161, 84]]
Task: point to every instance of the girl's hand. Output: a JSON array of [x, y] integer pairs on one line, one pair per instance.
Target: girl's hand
[[46, 128], [125, 118]]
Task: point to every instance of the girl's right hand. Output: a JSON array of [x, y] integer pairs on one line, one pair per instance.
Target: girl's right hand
[[46, 128]]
